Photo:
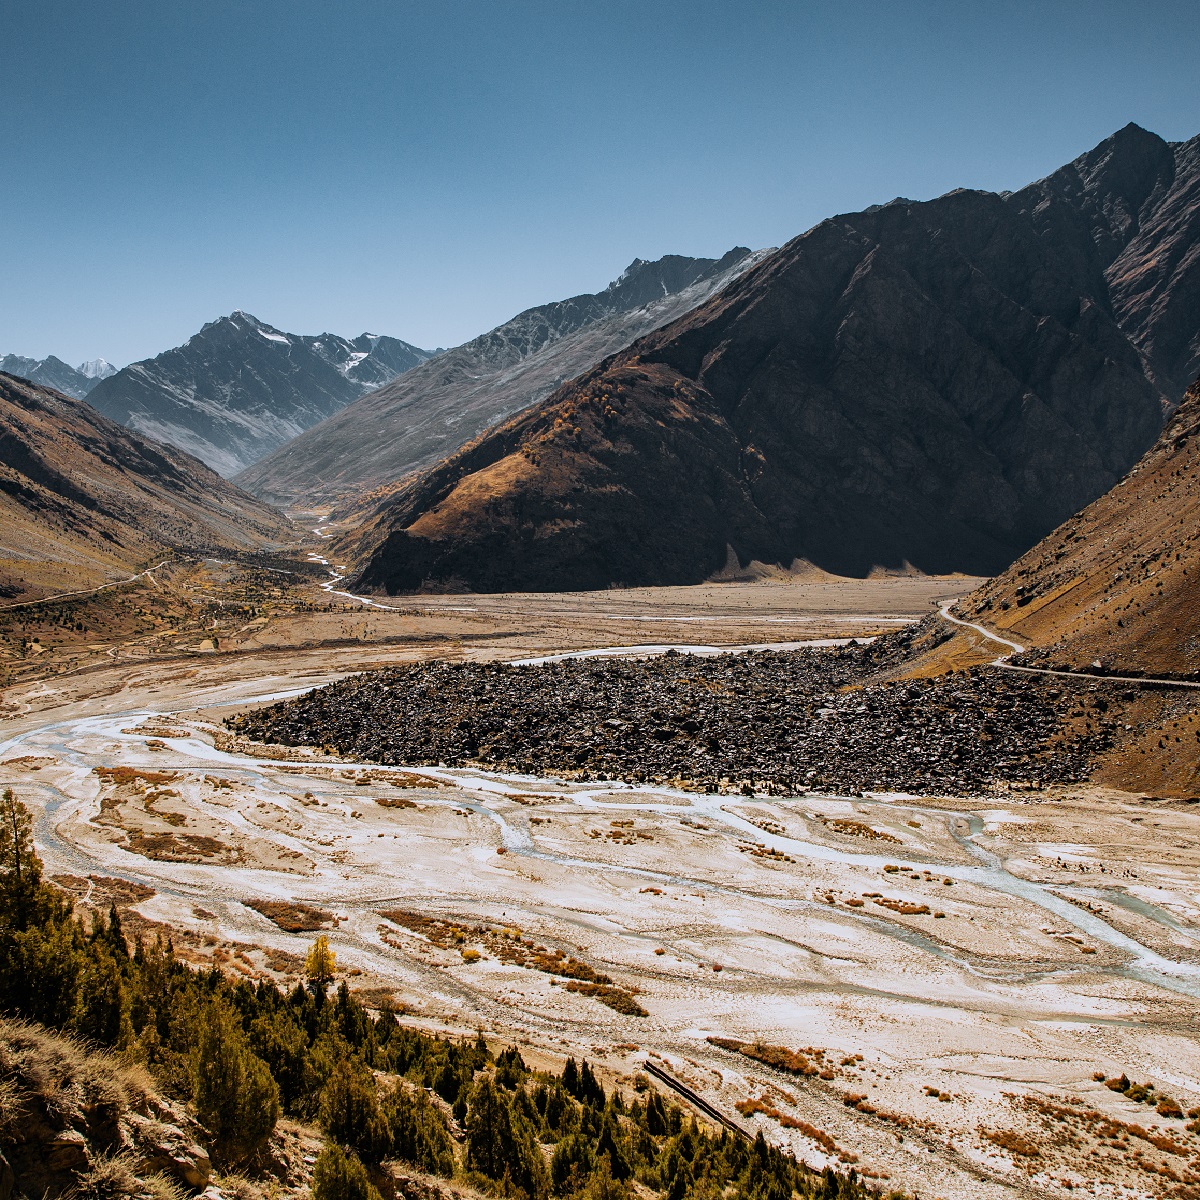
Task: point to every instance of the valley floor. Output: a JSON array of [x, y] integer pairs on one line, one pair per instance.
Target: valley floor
[[956, 971]]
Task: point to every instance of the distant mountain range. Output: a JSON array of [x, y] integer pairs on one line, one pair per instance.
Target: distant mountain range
[[938, 384], [239, 388], [84, 500], [432, 410], [54, 373]]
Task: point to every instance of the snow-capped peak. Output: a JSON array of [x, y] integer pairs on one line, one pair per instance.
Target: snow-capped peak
[[96, 368]]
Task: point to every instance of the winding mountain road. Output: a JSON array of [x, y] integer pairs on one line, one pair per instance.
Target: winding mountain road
[[1017, 648]]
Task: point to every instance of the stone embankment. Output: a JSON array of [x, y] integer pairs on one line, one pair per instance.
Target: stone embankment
[[780, 722]]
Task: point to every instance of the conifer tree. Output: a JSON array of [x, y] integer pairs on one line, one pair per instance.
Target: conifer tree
[[20, 867], [236, 1098], [500, 1145], [350, 1111], [340, 1176], [102, 1007]]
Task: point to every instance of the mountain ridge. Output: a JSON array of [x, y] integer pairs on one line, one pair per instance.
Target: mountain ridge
[[52, 372], [1116, 587], [240, 387], [429, 413], [937, 383]]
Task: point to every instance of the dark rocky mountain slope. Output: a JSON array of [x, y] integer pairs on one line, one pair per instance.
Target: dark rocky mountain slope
[[1136, 198], [84, 500], [53, 373], [239, 388], [938, 384], [431, 411], [1119, 583]]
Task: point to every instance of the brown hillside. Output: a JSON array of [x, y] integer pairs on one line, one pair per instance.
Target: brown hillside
[[1120, 582], [84, 501]]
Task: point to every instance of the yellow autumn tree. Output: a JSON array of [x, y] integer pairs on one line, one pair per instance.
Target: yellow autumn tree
[[320, 964]]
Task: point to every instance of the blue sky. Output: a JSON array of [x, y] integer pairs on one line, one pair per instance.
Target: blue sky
[[427, 170]]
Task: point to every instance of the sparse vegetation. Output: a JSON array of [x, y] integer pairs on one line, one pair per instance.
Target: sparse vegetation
[[509, 945], [807, 1062], [242, 1054]]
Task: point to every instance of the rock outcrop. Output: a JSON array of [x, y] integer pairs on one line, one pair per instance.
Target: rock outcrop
[[775, 722], [72, 1116]]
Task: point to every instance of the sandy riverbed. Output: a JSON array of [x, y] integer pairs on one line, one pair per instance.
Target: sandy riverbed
[[1068, 945]]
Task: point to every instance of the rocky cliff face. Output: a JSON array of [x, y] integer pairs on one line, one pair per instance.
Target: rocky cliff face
[[432, 410], [53, 373], [938, 384], [1136, 199], [239, 388], [78, 1122], [84, 500]]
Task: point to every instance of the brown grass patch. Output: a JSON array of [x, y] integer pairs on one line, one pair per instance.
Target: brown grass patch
[[282, 962], [616, 998], [859, 829], [805, 1063], [120, 776], [183, 847], [293, 917]]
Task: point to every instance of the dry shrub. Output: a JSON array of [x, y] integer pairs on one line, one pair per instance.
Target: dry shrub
[[904, 907], [859, 829], [291, 916], [241, 1188], [1013, 1142], [162, 1187], [12, 1106], [749, 1107], [66, 1077], [618, 999], [108, 1179], [795, 1062], [116, 1177]]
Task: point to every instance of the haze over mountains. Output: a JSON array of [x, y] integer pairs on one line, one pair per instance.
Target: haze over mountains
[[240, 387], [84, 500], [52, 372], [433, 410], [937, 384]]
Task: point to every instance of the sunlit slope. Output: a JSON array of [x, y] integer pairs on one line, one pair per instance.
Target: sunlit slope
[[84, 500], [1119, 583]]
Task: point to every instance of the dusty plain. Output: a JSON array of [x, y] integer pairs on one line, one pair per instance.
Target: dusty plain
[[960, 976]]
